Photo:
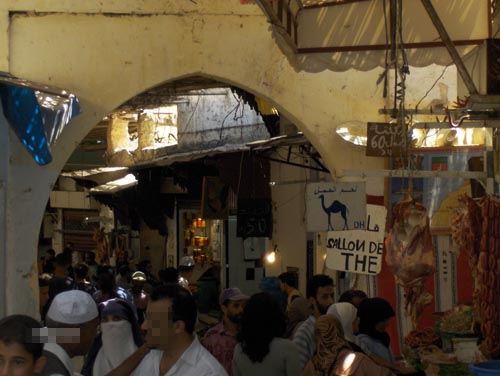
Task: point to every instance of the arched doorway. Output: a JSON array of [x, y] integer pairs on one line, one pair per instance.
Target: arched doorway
[[106, 60]]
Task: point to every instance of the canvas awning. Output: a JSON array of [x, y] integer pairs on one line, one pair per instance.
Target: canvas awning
[[340, 35]]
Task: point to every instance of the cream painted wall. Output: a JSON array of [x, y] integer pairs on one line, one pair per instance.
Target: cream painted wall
[[289, 230], [107, 59]]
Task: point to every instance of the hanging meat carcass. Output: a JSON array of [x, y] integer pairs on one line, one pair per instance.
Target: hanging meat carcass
[[410, 254], [488, 268]]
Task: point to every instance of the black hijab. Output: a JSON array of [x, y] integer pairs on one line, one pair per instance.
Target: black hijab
[[371, 311], [115, 307]]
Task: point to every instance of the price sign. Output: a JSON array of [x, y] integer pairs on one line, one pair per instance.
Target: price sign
[[384, 139]]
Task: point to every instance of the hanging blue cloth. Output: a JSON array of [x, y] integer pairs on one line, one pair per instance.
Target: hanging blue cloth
[[37, 114]]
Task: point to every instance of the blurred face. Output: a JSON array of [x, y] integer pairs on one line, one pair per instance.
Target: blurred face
[[87, 335], [324, 298], [137, 285], [159, 326], [356, 301], [16, 361], [282, 287], [233, 310], [110, 318], [44, 296], [355, 325], [382, 326]]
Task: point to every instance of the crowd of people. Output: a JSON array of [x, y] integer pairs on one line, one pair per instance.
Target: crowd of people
[[123, 329]]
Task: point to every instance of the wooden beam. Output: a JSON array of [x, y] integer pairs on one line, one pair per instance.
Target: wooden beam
[[272, 17], [327, 5], [381, 47], [469, 83]]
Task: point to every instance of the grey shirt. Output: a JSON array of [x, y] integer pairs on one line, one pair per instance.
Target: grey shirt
[[282, 360]]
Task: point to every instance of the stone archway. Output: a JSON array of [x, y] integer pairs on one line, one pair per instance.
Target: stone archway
[[106, 59]]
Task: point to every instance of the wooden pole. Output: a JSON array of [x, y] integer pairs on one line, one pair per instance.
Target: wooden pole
[[462, 70]]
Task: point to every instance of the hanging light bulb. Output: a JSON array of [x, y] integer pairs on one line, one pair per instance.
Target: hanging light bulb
[[271, 256]]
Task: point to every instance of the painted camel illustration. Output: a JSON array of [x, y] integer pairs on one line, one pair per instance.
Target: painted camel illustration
[[335, 207]]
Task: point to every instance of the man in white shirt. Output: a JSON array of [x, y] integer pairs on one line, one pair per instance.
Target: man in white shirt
[[171, 316], [72, 321]]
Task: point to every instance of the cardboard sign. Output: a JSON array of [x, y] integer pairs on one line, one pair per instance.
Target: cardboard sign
[[335, 206], [359, 251], [384, 139]]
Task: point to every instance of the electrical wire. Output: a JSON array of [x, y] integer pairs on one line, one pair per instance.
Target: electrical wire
[[386, 70], [433, 85], [192, 114], [239, 104], [239, 175]]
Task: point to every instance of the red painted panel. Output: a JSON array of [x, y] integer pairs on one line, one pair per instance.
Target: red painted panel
[[465, 283], [387, 290]]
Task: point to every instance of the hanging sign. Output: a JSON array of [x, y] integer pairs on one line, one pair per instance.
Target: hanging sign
[[384, 139], [359, 251], [254, 218], [335, 206]]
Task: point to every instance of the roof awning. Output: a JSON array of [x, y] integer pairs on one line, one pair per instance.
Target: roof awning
[[115, 185], [99, 175], [340, 35], [192, 155]]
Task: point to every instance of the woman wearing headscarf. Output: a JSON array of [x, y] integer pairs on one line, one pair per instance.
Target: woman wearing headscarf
[[374, 315], [261, 350], [119, 338], [347, 314], [334, 356]]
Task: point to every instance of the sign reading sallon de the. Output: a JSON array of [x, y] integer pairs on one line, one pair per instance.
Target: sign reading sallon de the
[[359, 251], [335, 206]]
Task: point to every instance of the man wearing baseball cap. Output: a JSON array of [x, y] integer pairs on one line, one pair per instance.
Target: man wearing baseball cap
[[220, 340], [141, 297], [72, 321], [186, 267]]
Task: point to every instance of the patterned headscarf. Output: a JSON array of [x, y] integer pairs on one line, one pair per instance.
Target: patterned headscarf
[[330, 342]]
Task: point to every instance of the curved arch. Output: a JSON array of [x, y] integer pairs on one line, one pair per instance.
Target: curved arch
[[107, 60]]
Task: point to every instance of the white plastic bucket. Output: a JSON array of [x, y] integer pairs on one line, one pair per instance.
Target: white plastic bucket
[[465, 349]]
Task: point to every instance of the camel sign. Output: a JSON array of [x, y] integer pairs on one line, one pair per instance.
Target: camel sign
[[335, 206]]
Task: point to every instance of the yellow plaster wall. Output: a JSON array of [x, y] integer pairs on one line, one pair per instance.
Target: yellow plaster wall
[[107, 52]]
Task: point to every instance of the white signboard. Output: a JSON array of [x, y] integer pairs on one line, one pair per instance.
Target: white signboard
[[359, 251], [335, 206]]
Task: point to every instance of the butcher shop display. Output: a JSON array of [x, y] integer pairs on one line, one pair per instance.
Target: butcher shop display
[[410, 254], [488, 270]]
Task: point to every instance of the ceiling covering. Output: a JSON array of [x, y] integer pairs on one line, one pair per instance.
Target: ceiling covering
[[311, 3], [161, 95], [352, 34], [170, 92]]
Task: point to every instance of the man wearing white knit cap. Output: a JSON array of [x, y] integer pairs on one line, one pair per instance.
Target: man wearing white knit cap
[[72, 321]]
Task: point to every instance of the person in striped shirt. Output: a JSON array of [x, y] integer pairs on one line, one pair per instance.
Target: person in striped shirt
[[320, 293]]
